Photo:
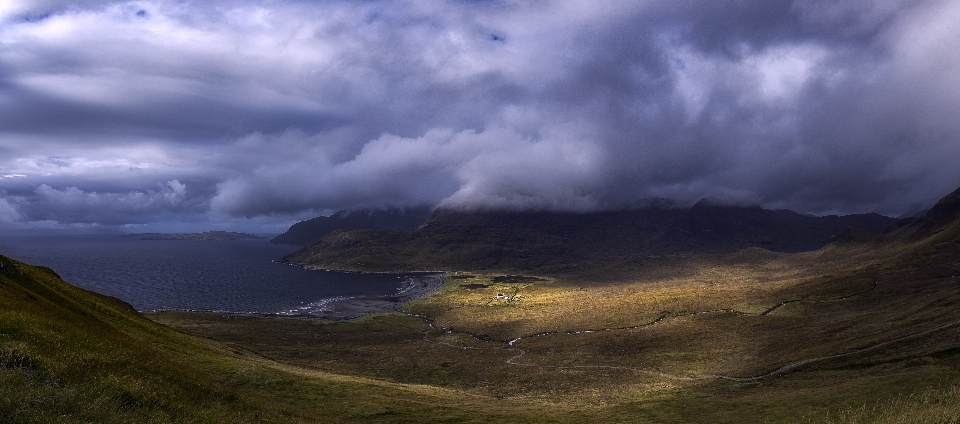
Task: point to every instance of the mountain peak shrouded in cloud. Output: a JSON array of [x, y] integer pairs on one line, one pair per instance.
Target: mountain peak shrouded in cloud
[[265, 113]]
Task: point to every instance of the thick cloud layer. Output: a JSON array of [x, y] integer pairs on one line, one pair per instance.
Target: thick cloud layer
[[155, 114]]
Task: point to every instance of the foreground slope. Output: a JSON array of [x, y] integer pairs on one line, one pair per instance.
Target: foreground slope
[[70, 355]]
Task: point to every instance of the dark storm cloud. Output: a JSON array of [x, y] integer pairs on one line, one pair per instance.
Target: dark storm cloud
[[79, 206], [271, 111]]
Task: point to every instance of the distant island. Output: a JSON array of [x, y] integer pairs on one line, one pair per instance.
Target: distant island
[[207, 235]]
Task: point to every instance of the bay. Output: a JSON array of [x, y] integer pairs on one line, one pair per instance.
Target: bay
[[204, 275]]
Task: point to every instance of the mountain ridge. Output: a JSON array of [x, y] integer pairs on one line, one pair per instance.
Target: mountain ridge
[[305, 232], [538, 240]]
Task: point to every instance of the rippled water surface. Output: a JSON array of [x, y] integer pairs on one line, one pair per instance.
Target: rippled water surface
[[234, 276]]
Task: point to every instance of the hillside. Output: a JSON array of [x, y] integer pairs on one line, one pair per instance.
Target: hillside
[[70, 355], [53, 336], [938, 218], [550, 241], [311, 230]]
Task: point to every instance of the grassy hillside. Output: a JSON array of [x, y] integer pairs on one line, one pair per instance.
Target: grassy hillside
[[69, 355]]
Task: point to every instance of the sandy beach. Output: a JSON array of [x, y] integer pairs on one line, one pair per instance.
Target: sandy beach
[[354, 307]]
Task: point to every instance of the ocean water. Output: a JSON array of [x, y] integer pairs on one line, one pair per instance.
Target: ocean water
[[228, 276]]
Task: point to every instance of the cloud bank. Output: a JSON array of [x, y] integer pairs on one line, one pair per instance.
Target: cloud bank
[[131, 113]]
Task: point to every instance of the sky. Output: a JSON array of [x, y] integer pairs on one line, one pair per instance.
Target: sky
[[251, 115]]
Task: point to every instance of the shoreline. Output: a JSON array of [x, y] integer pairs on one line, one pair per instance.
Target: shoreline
[[356, 271], [347, 308], [339, 309]]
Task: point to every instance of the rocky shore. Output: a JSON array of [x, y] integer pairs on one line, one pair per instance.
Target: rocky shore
[[344, 308]]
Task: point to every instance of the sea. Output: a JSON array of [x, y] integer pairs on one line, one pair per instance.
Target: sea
[[198, 275]]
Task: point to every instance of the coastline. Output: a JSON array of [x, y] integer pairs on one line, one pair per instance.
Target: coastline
[[338, 309], [346, 308]]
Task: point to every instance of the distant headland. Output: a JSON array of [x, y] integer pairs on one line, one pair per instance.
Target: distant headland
[[207, 235]]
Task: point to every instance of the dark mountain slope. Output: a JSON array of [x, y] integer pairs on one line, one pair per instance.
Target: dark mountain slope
[[941, 216], [709, 227], [311, 230], [452, 239]]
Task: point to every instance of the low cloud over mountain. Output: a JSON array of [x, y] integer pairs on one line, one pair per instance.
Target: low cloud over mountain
[[255, 114]]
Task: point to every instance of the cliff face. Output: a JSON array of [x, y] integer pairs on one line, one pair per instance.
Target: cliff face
[[452, 239], [311, 230]]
